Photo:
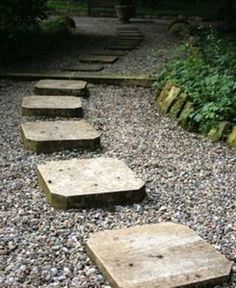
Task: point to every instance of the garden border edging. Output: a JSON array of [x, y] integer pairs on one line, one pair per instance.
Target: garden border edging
[[174, 102]]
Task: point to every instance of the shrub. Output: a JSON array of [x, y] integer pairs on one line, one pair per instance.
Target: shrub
[[57, 25], [20, 15], [208, 77], [180, 28]]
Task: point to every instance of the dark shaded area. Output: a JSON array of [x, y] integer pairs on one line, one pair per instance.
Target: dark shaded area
[[43, 49], [22, 40]]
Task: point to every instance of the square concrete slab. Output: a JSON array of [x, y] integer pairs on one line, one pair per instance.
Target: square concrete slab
[[64, 106], [98, 58], [53, 136], [165, 255], [61, 87], [89, 183], [85, 67]]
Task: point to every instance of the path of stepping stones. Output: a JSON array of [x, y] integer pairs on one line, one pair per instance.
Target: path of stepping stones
[[127, 38], [160, 255]]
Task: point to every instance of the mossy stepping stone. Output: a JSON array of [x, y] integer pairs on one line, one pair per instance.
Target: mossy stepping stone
[[164, 255], [89, 183], [98, 58], [61, 87], [64, 106], [53, 136], [85, 67]]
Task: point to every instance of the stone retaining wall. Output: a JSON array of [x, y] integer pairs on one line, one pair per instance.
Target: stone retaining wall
[[174, 102]]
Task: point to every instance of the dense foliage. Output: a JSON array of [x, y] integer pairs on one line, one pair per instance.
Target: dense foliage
[[206, 70], [18, 16]]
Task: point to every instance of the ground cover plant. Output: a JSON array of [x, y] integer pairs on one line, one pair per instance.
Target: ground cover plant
[[205, 67]]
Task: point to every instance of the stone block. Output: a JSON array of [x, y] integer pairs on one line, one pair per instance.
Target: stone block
[[232, 138], [220, 131], [106, 59], [177, 107], [171, 97], [164, 255], [53, 136], [63, 106], [61, 87], [89, 183], [184, 116]]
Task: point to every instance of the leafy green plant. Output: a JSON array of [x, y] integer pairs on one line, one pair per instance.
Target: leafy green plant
[[209, 79]]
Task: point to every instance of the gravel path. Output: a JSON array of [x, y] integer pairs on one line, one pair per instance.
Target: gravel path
[[96, 33], [190, 180]]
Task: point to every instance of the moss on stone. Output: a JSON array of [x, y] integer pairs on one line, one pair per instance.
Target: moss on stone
[[178, 106], [171, 97], [184, 120], [232, 138], [220, 131], [164, 92]]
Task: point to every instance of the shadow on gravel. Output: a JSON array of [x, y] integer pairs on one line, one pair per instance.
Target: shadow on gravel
[[41, 50]]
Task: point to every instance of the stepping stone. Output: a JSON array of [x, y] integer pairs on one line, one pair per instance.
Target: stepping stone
[[131, 38], [89, 183], [129, 32], [53, 136], [98, 58], [64, 106], [127, 27], [61, 87], [120, 47], [85, 67], [127, 42], [165, 255], [111, 53]]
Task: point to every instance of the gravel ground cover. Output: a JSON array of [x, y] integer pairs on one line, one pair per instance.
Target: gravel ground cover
[[190, 180]]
